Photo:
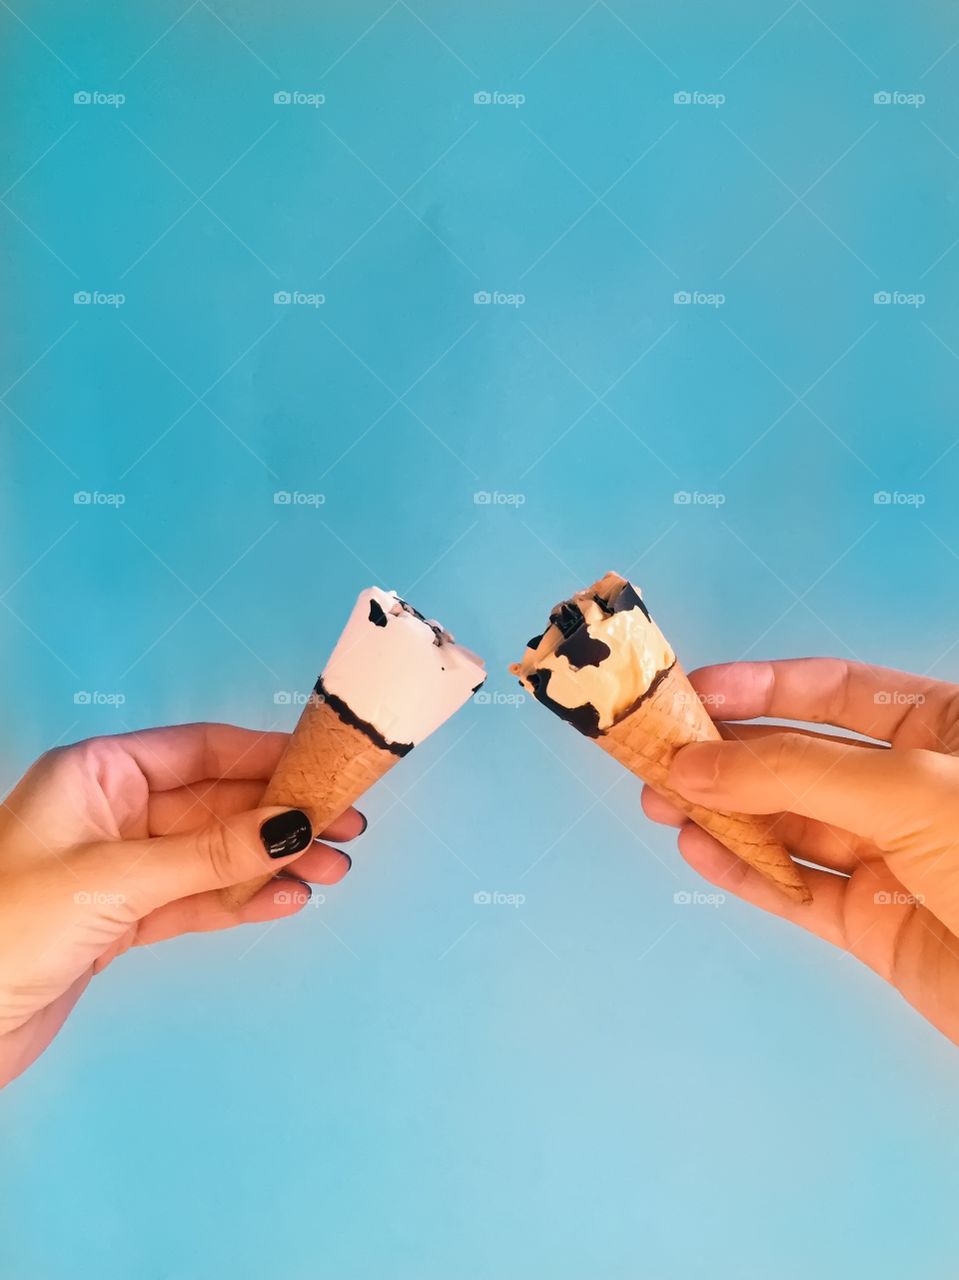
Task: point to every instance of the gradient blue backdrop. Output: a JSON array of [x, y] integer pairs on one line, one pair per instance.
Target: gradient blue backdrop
[[401, 1083]]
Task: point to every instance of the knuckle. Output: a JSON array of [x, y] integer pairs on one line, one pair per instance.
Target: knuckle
[[51, 761], [835, 679], [785, 751], [216, 849]]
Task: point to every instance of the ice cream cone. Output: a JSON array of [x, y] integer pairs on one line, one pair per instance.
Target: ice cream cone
[[645, 741], [327, 765], [604, 666], [393, 678]]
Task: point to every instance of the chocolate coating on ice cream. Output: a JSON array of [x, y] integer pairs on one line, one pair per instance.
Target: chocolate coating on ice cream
[[599, 658], [584, 718], [629, 598], [583, 649], [347, 716]]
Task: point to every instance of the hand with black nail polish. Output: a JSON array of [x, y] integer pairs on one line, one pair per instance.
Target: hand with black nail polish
[[130, 840]]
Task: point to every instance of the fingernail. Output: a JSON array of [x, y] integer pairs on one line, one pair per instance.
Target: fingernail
[[349, 862], [286, 833], [694, 768], [301, 887], [366, 823]]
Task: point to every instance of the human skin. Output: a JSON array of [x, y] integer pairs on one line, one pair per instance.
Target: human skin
[[883, 821], [127, 841]]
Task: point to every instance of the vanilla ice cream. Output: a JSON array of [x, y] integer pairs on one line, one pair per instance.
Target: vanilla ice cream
[[396, 674], [599, 657]]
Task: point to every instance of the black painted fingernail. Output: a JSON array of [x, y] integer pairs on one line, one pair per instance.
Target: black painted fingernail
[[366, 823], [349, 862], [286, 833]]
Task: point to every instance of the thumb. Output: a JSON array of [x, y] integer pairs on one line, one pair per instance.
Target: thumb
[[227, 851], [890, 797]]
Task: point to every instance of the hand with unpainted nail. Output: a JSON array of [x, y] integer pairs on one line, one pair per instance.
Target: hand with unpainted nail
[[881, 818], [129, 840]]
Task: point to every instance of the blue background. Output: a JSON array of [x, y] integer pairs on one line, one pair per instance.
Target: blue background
[[400, 1082]]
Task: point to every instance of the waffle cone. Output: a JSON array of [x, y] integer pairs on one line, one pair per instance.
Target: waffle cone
[[645, 741], [325, 768]]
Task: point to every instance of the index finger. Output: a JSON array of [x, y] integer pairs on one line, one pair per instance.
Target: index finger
[[870, 700], [177, 755]]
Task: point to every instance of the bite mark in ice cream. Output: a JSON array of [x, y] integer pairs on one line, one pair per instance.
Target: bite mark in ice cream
[[598, 659]]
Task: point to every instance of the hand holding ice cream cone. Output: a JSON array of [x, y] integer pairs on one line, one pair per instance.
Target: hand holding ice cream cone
[[393, 678], [604, 666]]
